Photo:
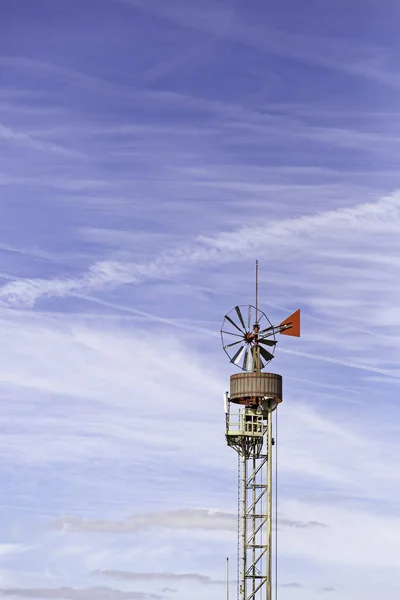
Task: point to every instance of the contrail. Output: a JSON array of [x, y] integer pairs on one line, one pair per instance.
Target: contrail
[[210, 332], [345, 363]]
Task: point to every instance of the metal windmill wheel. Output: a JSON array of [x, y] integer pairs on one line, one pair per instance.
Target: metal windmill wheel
[[244, 329]]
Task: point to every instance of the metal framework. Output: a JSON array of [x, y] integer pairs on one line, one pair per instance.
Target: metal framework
[[249, 343], [249, 432]]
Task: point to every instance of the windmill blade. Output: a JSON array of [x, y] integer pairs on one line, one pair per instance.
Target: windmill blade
[[248, 363], [244, 364], [239, 314], [267, 342], [265, 354], [233, 344], [249, 318], [230, 333], [227, 317], [238, 356]]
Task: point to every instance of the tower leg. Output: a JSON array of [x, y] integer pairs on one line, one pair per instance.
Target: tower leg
[[242, 587], [269, 505]]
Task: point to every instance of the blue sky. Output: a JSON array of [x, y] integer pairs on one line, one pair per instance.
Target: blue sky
[[150, 152]]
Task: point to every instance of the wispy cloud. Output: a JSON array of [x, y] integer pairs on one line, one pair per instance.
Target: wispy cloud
[[9, 549], [364, 60], [300, 524], [177, 519], [131, 576], [372, 218], [9, 134], [101, 593]]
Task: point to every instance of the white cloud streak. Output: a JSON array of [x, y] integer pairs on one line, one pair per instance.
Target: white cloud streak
[[8, 134], [373, 218], [69, 593], [10, 549], [202, 519], [167, 576], [177, 519]]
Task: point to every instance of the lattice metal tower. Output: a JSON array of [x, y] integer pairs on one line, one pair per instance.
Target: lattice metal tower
[[248, 338]]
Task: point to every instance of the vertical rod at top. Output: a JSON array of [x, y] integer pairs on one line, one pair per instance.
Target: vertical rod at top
[[256, 348], [256, 291], [227, 579]]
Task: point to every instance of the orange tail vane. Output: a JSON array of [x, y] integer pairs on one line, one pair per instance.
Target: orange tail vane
[[291, 325]]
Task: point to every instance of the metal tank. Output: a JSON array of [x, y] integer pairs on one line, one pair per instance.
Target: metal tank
[[253, 388]]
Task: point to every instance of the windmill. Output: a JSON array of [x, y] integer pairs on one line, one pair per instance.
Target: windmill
[[249, 340]]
